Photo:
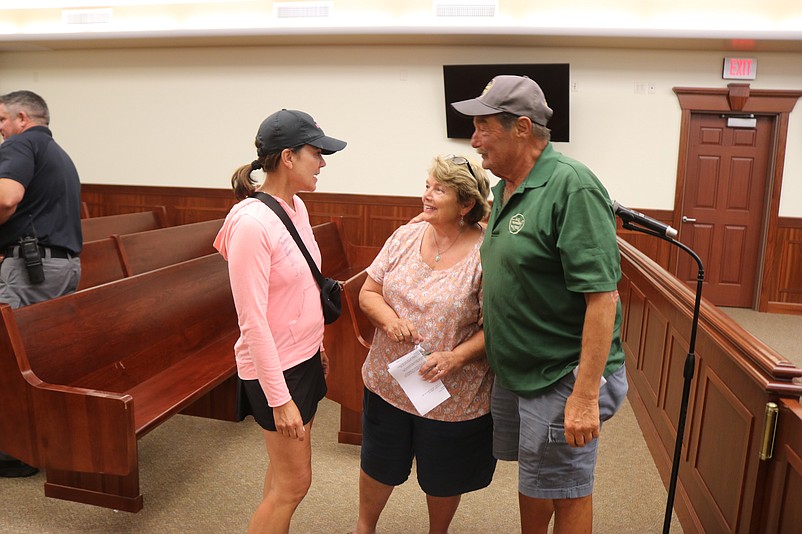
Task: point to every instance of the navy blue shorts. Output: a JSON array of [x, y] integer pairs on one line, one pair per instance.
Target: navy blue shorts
[[451, 458], [307, 385]]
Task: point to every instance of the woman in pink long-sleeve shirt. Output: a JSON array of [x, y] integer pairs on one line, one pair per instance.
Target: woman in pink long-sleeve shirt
[[279, 357]]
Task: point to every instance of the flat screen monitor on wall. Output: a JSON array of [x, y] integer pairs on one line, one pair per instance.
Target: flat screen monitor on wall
[[462, 82]]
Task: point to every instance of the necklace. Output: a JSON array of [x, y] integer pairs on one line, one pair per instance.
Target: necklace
[[437, 246]]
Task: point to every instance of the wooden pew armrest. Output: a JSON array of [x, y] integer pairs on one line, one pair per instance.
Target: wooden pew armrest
[[363, 328], [85, 430]]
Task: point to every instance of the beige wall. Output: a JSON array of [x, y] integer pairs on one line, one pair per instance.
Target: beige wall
[[187, 117]]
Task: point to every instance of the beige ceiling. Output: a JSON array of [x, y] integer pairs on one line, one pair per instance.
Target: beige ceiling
[[738, 25]]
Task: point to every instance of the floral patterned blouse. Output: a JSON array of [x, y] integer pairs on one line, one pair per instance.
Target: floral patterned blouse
[[446, 308]]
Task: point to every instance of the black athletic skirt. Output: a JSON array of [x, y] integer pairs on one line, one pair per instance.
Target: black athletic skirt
[[307, 385]]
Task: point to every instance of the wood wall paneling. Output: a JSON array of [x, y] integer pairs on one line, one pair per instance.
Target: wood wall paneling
[[720, 442], [788, 287], [676, 355], [369, 220], [632, 328], [650, 369], [656, 249], [184, 204]]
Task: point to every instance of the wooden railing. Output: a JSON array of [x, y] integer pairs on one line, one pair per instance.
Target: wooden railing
[[724, 486]]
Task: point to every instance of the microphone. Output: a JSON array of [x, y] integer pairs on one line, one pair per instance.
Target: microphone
[[632, 216]]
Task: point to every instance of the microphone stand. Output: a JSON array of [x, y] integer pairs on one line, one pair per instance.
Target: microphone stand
[[690, 365]]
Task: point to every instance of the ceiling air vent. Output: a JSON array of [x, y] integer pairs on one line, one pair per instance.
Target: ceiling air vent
[[299, 10], [465, 8], [86, 16]]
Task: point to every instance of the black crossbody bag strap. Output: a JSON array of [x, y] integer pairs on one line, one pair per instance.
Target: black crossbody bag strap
[[273, 204]]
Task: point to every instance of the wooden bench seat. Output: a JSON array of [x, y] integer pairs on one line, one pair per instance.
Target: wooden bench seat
[[85, 375], [158, 398]]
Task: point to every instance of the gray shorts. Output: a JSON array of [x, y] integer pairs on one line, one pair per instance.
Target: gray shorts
[[531, 431], [61, 277]]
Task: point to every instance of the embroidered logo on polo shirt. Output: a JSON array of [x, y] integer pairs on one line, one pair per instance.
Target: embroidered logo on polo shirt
[[517, 223]]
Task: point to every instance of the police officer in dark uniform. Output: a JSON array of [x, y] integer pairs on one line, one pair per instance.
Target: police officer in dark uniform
[[40, 216]]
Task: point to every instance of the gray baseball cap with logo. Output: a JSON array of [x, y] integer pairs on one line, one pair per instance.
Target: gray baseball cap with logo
[[519, 95]]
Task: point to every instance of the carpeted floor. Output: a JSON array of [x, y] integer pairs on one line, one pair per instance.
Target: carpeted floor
[[205, 476]]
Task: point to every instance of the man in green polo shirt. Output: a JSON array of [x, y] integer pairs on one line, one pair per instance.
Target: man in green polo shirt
[[551, 311]]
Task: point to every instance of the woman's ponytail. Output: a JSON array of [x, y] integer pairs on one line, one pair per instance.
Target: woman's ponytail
[[241, 181]]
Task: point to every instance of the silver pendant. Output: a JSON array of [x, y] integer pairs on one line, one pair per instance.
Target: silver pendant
[[437, 258]]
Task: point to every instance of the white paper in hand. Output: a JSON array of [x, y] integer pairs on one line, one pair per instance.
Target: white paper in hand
[[424, 395]]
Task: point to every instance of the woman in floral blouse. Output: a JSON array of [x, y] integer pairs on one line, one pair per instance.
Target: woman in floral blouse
[[424, 288]]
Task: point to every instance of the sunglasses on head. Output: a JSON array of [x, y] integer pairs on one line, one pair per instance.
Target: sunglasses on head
[[459, 160]]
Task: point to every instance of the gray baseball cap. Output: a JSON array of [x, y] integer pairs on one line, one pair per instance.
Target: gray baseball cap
[[519, 95], [290, 128]]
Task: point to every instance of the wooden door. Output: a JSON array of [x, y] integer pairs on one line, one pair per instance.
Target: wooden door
[[724, 205]]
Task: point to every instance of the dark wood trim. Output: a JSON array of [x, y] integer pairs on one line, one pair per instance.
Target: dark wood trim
[[718, 99], [165, 191], [679, 192], [771, 251], [790, 222], [787, 308]]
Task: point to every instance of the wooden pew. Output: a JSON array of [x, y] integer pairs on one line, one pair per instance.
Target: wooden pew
[[94, 228], [146, 251], [83, 376], [347, 342], [344, 345], [101, 262], [337, 254], [119, 256]]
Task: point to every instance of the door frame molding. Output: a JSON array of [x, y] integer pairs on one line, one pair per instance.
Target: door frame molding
[[741, 98]]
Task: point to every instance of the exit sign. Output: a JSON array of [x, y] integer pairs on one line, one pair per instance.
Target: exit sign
[[740, 68]]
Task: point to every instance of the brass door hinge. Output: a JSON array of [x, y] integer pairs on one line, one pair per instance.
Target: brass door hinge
[[769, 430]]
